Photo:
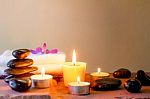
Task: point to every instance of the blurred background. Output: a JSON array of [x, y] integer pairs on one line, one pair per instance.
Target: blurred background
[[110, 34]]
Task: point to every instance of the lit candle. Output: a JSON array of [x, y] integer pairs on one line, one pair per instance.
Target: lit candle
[[42, 80], [99, 73], [73, 69], [79, 88]]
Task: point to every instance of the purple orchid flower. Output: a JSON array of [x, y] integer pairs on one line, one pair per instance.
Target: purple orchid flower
[[44, 50]]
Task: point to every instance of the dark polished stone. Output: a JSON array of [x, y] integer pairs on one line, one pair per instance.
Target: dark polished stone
[[14, 63], [143, 78], [20, 85], [122, 73], [8, 78], [132, 85], [23, 76], [21, 53], [19, 71], [106, 84]]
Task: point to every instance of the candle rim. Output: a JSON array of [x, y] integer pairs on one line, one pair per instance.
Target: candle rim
[[79, 84], [39, 75], [77, 63], [98, 74]]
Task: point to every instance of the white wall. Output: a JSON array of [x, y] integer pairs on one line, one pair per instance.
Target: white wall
[[108, 33]]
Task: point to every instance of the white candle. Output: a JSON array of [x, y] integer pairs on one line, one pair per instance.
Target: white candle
[[42, 80], [71, 70], [79, 88], [99, 73]]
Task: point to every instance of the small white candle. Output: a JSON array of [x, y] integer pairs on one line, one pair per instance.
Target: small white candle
[[42, 80], [79, 88], [100, 74]]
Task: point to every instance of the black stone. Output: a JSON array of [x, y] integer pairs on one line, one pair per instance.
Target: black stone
[[8, 78], [23, 76], [21, 53], [20, 85], [14, 63], [143, 78], [106, 84], [133, 86], [122, 73]]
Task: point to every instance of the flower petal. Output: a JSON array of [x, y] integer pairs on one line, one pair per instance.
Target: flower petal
[[39, 49], [53, 51], [33, 51]]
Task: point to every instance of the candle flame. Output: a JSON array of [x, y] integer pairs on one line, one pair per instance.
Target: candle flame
[[74, 57], [78, 79], [98, 70], [43, 71]]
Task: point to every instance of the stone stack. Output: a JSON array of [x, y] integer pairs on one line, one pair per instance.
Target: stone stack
[[19, 69]]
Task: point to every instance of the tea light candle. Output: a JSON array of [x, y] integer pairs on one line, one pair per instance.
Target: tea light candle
[[42, 80], [71, 70], [100, 74], [79, 88]]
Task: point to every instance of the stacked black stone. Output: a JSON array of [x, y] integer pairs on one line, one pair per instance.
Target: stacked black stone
[[19, 70]]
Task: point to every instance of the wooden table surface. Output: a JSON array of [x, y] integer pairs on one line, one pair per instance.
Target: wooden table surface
[[59, 91]]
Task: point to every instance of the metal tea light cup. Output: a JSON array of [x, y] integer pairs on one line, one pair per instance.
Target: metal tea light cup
[[82, 88], [41, 82]]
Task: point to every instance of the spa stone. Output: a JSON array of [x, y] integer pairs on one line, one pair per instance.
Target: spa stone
[[19, 71], [14, 63], [21, 53], [106, 84], [20, 85], [122, 73]]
